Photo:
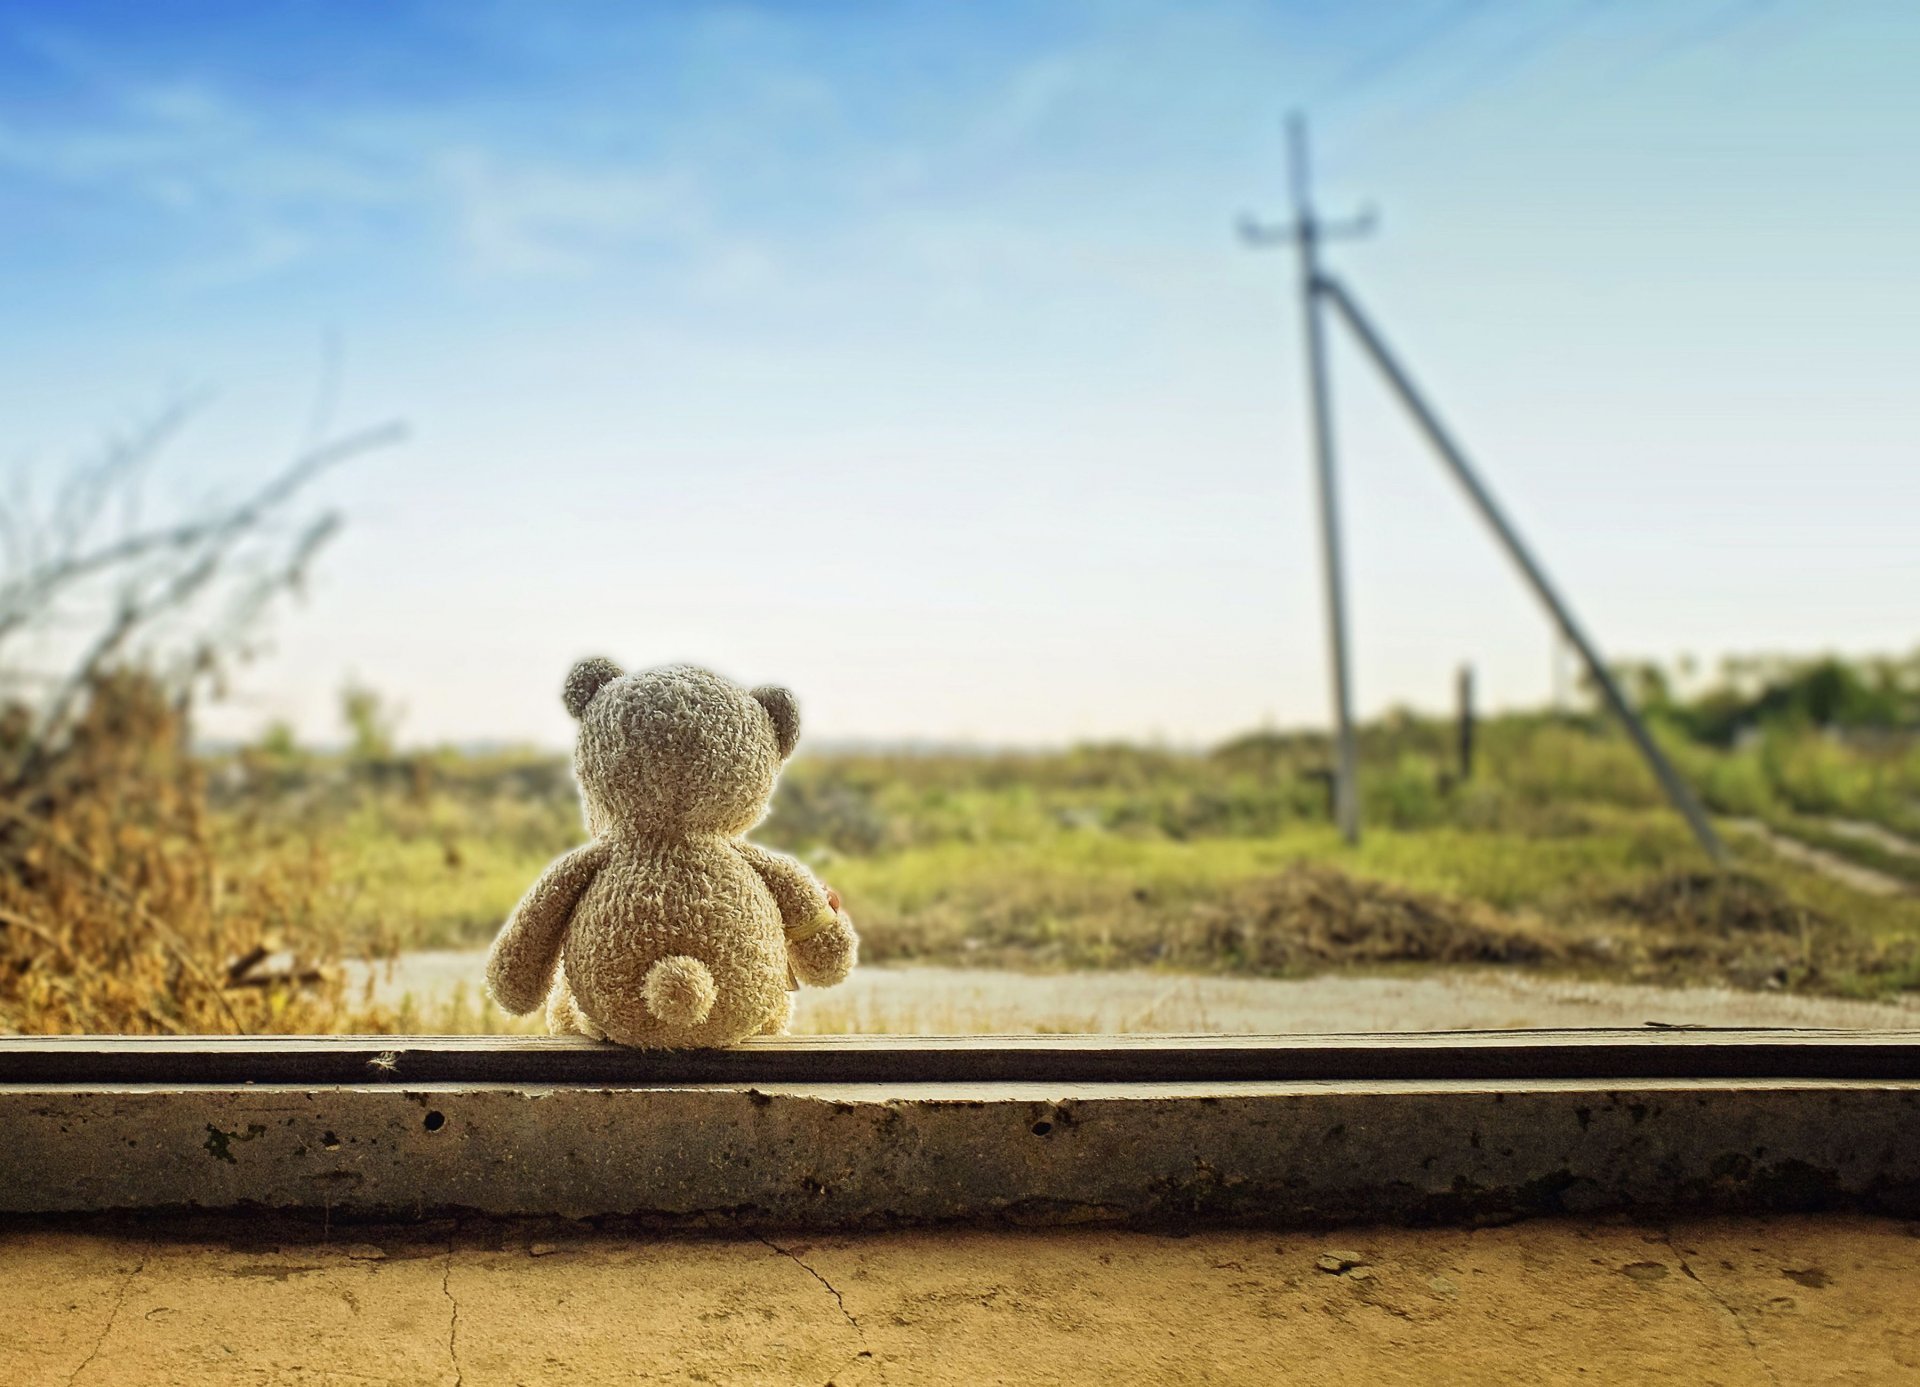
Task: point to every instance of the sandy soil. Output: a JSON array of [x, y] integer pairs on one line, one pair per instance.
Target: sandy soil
[[1799, 1300], [948, 1001]]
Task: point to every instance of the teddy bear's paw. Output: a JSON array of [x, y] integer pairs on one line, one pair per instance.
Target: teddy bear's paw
[[511, 981], [679, 991], [824, 959]]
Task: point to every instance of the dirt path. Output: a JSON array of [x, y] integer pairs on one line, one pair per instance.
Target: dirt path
[[952, 1001], [1860, 878], [1883, 838]]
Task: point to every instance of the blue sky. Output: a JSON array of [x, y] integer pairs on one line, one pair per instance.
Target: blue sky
[[903, 354]]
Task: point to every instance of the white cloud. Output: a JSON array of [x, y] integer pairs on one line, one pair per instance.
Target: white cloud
[[516, 216], [1035, 93]]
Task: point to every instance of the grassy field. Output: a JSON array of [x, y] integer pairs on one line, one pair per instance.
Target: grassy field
[[1557, 854], [147, 888]]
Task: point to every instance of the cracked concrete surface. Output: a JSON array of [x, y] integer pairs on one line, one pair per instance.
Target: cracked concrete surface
[[1739, 1322], [113, 1317], [838, 1299], [453, 1315], [1802, 1299]]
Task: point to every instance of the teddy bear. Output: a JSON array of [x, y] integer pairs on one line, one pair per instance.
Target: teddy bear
[[668, 929]]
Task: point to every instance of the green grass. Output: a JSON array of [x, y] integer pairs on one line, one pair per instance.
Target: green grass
[[1128, 856], [1092, 899], [419, 870]]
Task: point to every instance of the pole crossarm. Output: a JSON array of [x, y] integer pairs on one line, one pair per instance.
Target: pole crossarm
[[1677, 790], [1259, 235]]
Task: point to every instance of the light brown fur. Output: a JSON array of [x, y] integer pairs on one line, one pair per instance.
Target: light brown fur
[[668, 929]]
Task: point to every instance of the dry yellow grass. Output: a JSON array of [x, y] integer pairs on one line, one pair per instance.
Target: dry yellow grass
[[119, 911]]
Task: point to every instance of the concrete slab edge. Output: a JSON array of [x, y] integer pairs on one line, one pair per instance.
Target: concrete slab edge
[[719, 1156]]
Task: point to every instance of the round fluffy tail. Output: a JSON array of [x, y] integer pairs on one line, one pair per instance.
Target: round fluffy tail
[[679, 991]]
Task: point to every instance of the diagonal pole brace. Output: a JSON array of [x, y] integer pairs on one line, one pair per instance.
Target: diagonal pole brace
[[1676, 788]]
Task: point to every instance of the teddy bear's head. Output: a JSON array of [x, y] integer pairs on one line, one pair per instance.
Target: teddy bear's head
[[676, 750]]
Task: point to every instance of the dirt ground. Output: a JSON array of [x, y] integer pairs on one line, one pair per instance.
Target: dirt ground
[[1802, 1300], [921, 1000], [1859, 877]]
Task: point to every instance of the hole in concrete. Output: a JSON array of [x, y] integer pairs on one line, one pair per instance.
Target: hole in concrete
[[1041, 1128], [435, 1121], [330, 1141]]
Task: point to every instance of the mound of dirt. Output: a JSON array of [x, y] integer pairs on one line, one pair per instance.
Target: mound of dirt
[[1312, 915], [1716, 903], [1736, 929]]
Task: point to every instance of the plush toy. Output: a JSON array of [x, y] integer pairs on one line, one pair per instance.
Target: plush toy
[[669, 929]]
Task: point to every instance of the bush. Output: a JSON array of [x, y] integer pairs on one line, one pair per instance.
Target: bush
[[1735, 784], [1405, 796], [1815, 774], [119, 912]]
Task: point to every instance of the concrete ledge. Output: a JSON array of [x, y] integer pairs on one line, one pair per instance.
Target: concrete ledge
[[848, 1156]]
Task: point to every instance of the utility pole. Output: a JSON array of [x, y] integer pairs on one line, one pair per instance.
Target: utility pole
[[1305, 231]]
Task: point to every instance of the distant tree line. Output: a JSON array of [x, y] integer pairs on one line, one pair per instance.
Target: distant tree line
[[1752, 693]]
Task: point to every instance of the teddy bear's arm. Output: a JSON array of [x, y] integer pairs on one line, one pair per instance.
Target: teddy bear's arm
[[520, 964], [821, 944], [801, 898]]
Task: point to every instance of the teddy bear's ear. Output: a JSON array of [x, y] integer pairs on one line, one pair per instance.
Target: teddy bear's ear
[[785, 714], [585, 680]]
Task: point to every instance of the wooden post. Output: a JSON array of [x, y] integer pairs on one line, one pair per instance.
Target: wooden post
[[1465, 688]]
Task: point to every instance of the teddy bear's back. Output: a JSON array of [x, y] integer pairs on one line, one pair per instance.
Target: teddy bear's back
[[695, 896]]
